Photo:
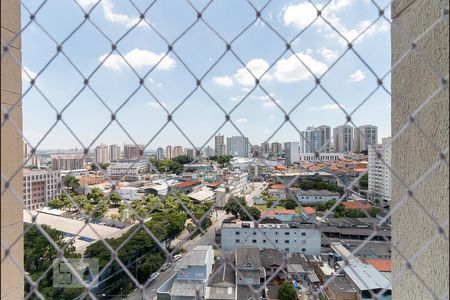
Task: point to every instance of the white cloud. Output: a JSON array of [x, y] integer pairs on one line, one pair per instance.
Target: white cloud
[[110, 15], [357, 76], [25, 71], [270, 103], [223, 81], [236, 98], [302, 14], [257, 66], [331, 106], [291, 69], [241, 120], [328, 54], [155, 104], [138, 58]]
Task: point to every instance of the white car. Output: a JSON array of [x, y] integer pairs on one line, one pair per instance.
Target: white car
[[153, 276], [176, 257], [165, 266]]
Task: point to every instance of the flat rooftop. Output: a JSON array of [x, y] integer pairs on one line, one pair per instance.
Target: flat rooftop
[[251, 224]]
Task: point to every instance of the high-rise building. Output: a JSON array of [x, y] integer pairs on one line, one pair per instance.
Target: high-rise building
[[265, 147], [291, 154], [39, 187], [114, 152], [316, 139], [160, 153], [379, 173], [101, 154], [208, 152], [189, 153], [342, 138], [28, 158], [132, 151], [219, 145], [168, 152], [177, 151], [238, 146], [365, 136], [68, 161], [277, 148]]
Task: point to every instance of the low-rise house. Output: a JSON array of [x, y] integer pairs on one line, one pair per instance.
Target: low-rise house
[[222, 282], [193, 272], [201, 195], [250, 274], [272, 261], [308, 197], [187, 186], [283, 215], [309, 214]]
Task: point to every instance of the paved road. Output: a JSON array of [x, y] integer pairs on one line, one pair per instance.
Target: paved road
[[257, 188], [205, 239]]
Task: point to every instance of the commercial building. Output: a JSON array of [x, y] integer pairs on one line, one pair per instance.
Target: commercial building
[[177, 151], [128, 170], [68, 161], [160, 153], [286, 237], [312, 157], [291, 154], [379, 174], [114, 153], [311, 197], [39, 187], [316, 139], [101, 154], [219, 145], [193, 272], [169, 152], [365, 135], [343, 139], [238, 146], [132, 151]]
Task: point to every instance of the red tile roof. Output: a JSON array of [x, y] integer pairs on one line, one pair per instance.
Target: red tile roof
[[277, 186], [355, 205], [381, 264], [187, 183], [360, 169], [214, 184], [308, 210]]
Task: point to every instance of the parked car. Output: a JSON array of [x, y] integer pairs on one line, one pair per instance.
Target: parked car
[[165, 266], [176, 257], [153, 276]]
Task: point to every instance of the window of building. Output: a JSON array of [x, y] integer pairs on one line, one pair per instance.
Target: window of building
[[303, 233], [303, 249], [254, 241], [286, 241], [286, 233], [238, 233]]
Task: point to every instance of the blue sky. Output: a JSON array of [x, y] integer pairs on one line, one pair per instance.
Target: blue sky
[[349, 81]]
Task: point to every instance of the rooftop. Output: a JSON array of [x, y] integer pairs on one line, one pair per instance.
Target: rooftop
[[195, 257], [309, 210], [382, 265], [187, 183], [340, 284], [365, 276], [355, 205]]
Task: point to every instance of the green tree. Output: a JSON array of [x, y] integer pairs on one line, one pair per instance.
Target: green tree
[[39, 255], [251, 211], [182, 159], [101, 209], [72, 183], [289, 204], [95, 195], [115, 199], [234, 205], [374, 211], [287, 291], [364, 181]]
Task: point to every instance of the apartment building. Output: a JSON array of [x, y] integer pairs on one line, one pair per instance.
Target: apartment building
[[132, 151], [365, 135], [101, 154], [114, 153], [291, 154], [168, 152], [277, 148], [343, 139], [28, 159], [316, 139], [160, 153], [219, 145], [129, 170], [39, 187], [286, 237], [238, 146], [312, 157], [379, 174], [68, 161], [177, 151]]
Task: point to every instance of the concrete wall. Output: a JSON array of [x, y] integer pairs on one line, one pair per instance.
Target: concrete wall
[[11, 157], [413, 81]]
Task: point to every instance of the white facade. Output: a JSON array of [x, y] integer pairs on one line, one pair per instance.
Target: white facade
[[132, 151], [114, 152], [291, 154], [130, 169], [101, 154], [379, 174], [293, 237], [367, 135], [238, 146], [68, 161], [343, 139], [311, 157], [219, 145], [315, 196], [40, 186], [316, 139]]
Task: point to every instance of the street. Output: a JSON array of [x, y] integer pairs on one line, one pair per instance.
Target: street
[[257, 188]]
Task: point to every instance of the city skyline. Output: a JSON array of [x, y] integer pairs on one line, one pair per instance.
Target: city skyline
[[348, 82]]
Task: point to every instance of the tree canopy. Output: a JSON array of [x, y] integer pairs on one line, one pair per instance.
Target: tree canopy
[[287, 291]]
